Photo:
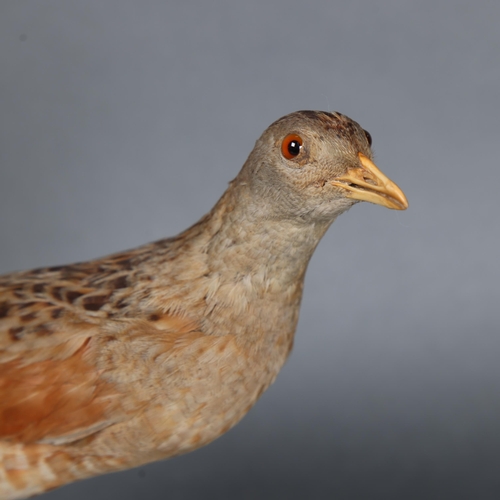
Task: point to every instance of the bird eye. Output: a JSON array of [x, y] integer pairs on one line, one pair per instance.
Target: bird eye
[[291, 146], [368, 137]]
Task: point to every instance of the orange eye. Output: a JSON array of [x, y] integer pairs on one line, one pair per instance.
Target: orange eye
[[291, 146]]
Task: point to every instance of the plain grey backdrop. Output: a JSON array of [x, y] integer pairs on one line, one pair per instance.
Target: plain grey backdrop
[[122, 121]]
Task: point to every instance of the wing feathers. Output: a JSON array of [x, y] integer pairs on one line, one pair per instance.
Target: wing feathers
[[52, 398]]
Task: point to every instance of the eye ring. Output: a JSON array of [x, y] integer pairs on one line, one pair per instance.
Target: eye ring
[[291, 146]]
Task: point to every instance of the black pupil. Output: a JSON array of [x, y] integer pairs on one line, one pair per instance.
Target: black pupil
[[294, 148]]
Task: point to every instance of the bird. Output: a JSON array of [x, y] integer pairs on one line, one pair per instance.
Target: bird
[[154, 352]]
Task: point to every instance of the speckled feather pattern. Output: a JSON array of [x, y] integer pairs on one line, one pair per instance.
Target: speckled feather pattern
[[154, 352]]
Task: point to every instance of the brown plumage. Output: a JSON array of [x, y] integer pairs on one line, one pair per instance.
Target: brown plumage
[[154, 352]]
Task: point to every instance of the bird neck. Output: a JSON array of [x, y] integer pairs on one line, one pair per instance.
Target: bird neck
[[252, 269], [245, 271], [248, 243]]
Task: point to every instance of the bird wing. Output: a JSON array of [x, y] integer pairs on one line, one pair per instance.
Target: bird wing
[[49, 387], [51, 324], [58, 399], [68, 366]]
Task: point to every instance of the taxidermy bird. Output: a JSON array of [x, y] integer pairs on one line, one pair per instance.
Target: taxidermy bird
[[154, 352]]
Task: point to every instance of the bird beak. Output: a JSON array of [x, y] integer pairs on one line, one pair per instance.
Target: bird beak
[[368, 183]]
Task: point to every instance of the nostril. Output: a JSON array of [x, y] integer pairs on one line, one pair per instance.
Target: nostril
[[369, 180]]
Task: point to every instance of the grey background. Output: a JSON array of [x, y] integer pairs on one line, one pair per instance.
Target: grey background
[[122, 121]]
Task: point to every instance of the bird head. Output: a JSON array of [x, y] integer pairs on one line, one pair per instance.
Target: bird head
[[314, 165]]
